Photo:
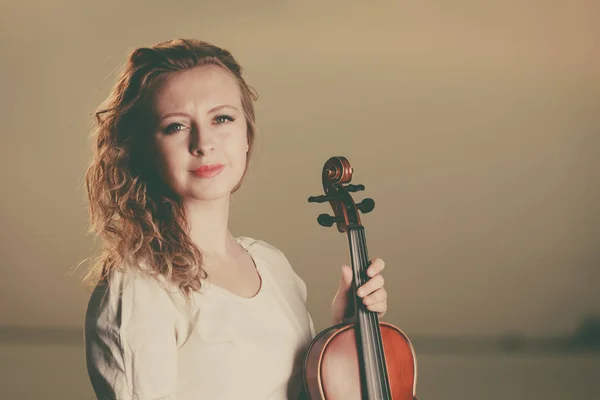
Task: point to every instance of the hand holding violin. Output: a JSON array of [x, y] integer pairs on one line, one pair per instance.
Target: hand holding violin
[[372, 293]]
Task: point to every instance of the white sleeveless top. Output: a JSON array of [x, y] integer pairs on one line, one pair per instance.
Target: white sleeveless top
[[144, 342]]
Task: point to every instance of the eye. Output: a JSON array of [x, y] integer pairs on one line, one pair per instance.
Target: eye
[[175, 127], [224, 118]]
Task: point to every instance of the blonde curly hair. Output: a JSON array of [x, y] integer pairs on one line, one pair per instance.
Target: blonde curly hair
[[134, 213]]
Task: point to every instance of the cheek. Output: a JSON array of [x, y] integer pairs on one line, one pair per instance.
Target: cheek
[[241, 156], [235, 145], [167, 161]]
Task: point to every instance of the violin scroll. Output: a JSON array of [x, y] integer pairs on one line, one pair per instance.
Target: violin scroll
[[336, 177]]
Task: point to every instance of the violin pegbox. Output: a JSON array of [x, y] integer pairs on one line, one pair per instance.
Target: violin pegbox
[[336, 177]]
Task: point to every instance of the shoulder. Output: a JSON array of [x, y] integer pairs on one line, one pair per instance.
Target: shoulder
[[130, 296]]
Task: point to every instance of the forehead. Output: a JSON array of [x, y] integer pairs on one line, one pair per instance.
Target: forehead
[[196, 90]]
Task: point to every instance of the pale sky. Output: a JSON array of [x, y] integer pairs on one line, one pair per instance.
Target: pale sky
[[474, 127]]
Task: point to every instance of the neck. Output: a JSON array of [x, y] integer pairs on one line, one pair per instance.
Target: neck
[[372, 361], [209, 227]]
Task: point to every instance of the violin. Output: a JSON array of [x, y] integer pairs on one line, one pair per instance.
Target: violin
[[362, 358]]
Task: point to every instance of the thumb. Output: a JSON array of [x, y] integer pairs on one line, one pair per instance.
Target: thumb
[[346, 280]]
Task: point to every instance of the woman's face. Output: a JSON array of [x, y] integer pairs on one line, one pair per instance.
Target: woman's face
[[200, 137]]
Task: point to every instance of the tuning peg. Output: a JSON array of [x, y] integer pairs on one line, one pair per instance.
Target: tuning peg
[[319, 199], [327, 220], [367, 205], [354, 188]]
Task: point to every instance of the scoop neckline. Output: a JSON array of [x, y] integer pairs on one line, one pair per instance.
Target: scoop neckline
[[261, 277]]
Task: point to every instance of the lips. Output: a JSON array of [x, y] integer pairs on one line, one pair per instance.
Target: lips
[[207, 171]]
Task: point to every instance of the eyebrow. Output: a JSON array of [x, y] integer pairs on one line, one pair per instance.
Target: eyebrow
[[212, 110]]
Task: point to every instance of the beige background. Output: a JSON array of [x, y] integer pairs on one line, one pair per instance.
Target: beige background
[[473, 125]]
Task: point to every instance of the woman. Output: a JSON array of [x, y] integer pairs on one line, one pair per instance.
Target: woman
[[182, 309]]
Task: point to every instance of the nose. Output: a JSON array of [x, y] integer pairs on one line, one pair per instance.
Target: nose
[[201, 143]]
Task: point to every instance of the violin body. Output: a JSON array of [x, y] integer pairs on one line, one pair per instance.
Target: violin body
[[362, 358], [332, 364]]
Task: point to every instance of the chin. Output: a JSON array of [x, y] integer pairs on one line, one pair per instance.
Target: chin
[[214, 191], [215, 188], [209, 194]]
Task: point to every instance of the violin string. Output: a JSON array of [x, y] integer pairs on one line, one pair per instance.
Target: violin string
[[378, 357], [361, 323], [375, 329], [374, 387]]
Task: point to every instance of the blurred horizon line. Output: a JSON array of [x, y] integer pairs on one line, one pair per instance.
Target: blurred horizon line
[[584, 339]]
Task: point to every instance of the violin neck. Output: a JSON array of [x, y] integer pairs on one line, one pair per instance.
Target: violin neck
[[374, 377]]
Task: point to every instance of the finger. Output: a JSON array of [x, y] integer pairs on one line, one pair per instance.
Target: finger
[[378, 296], [372, 285], [376, 266], [379, 308]]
